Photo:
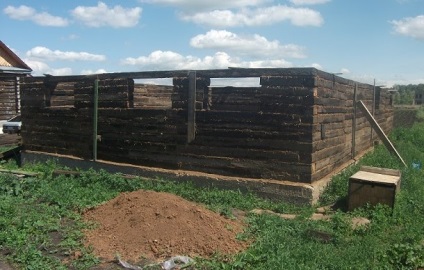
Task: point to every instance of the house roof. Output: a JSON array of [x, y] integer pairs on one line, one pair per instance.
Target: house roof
[[10, 62], [14, 70]]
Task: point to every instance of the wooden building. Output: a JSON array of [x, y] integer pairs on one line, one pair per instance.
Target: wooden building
[[298, 126], [12, 68]]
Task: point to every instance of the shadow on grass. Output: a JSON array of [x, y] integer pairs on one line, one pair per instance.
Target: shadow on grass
[[341, 204]]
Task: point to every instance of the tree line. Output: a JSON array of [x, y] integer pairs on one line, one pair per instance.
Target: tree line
[[408, 94]]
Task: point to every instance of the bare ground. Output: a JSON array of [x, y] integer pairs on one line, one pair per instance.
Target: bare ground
[[150, 227]]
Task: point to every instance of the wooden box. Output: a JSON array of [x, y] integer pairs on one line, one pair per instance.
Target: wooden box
[[373, 185]]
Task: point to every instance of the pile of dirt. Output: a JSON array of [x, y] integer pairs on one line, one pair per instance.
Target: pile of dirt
[[156, 226]]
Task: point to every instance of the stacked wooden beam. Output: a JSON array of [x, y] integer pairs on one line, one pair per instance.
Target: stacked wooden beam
[[298, 126], [180, 94], [63, 95], [113, 93], [62, 130], [141, 136], [8, 98], [260, 132], [334, 140], [150, 96]]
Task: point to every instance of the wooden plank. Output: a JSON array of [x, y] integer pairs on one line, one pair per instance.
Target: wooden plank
[[20, 172], [381, 171], [214, 73], [296, 80], [191, 107], [380, 131], [257, 154], [354, 121], [255, 143]]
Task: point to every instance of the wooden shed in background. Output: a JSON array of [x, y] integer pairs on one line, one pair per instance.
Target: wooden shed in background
[[12, 68]]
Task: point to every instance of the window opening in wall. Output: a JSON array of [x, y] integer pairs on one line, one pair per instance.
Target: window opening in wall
[[236, 82], [234, 94], [153, 93], [63, 95]]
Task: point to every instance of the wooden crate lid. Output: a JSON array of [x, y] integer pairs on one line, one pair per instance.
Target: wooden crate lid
[[380, 170], [377, 175]]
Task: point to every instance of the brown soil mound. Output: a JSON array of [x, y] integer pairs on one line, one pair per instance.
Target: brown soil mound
[[152, 225]]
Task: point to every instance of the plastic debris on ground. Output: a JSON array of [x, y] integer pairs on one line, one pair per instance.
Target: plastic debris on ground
[[416, 164], [171, 264]]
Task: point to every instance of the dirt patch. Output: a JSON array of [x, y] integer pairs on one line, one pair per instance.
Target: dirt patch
[[156, 226], [4, 264]]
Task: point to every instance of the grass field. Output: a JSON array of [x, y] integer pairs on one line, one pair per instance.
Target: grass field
[[33, 210]]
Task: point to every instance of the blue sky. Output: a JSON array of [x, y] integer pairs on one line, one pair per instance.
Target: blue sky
[[363, 39]]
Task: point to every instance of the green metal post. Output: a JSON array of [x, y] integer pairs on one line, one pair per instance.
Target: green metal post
[[95, 116]]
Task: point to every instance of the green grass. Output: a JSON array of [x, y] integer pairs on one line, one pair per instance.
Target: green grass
[[33, 210], [420, 114], [5, 148]]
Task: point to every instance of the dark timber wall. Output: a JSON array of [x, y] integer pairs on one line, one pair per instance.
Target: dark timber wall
[[9, 105], [297, 126], [334, 139]]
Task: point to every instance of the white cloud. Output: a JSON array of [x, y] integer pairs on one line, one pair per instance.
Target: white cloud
[[364, 78], [401, 81], [160, 81], [208, 4], [160, 60], [40, 68], [61, 71], [237, 82], [251, 45], [25, 13], [317, 66], [345, 71], [89, 71], [102, 15], [411, 26], [49, 55], [276, 63], [342, 72], [309, 2], [168, 60], [255, 17]]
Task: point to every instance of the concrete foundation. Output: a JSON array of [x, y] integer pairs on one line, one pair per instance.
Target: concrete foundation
[[280, 191]]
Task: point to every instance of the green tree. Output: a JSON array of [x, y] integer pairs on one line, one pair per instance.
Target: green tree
[[405, 94]]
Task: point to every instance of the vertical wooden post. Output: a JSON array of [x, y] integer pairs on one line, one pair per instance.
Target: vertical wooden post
[[354, 121], [373, 111], [95, 116], [191, 107]]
